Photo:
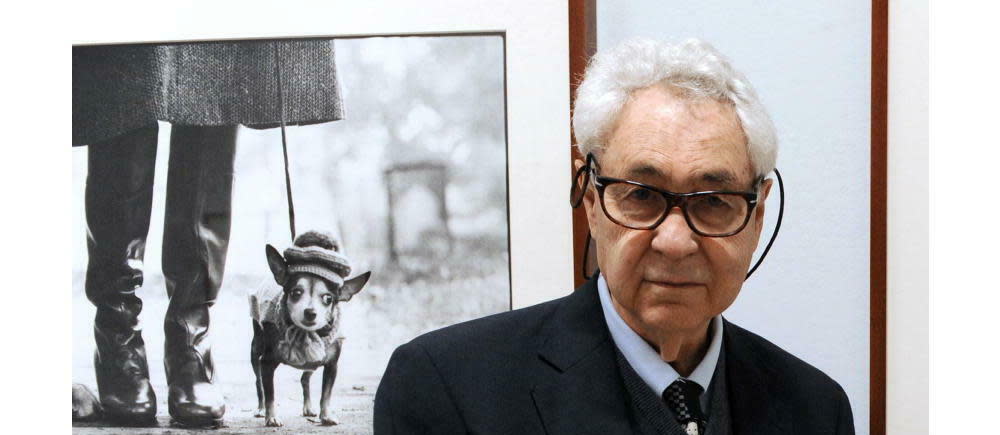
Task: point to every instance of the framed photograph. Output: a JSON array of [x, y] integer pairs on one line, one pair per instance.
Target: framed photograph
[[441, 172], [820, 70]]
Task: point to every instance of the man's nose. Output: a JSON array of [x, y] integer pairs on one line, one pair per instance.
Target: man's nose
[[673, 237], [310, 313]]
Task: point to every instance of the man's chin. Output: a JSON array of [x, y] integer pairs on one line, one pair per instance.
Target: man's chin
[[669, 319]]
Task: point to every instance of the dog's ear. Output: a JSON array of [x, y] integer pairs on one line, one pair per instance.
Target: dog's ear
[[352, 286], [277, 264]]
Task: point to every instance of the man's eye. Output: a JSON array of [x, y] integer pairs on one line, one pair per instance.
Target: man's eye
[[640, 194], [716, 202]]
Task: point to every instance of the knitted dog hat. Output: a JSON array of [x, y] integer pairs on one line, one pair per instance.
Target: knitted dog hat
[[318, 253]]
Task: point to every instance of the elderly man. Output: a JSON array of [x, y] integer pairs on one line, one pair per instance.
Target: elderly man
[[678, 147]]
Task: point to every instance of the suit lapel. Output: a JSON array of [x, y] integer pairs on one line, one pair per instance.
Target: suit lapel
[[584, 392], [756, 408]]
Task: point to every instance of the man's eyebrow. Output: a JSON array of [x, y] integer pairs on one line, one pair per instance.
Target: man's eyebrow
[[642, 171], [720, 177]]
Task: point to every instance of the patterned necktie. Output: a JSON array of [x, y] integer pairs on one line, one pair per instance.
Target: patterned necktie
[[682, 398]]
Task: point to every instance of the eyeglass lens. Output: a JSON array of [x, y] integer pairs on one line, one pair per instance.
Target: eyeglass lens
[[639, 207]]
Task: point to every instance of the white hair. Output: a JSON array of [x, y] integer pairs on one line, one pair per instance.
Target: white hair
[[693, 66]]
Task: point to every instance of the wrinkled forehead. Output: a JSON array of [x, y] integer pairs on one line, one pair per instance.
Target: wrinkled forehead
[[668, 138]]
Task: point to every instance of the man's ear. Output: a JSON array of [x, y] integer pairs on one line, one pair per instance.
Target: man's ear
[[577, 164], [579, 180], [588, 193], [277, 264], [765, 189], [352, 286]]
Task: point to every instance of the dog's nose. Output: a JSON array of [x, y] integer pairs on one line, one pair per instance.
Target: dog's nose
[[310, 314]]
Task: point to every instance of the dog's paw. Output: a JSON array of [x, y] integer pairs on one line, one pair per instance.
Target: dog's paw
[[308, 412], [261, 413], [272, 422], [329, 418]]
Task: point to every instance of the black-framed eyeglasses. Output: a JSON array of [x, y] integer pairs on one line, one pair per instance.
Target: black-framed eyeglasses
[[715, 213]]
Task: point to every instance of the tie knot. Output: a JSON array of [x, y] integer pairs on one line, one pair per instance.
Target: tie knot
[[682, 397], [685, 388]]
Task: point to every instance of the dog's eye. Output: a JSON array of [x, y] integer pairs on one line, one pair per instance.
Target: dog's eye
[[295, 294], [327, 299]]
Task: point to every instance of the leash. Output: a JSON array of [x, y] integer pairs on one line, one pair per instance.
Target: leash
[[284, 144]]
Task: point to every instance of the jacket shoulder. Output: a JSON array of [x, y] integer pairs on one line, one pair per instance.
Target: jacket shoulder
[[452, 379], [787, 375]]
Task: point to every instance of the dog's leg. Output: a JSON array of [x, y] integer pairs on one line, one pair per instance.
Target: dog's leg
[[326, 414], [256, 351], [271, 416], [306, 400]]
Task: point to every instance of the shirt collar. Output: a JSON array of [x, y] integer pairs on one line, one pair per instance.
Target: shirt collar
[[646, 362]]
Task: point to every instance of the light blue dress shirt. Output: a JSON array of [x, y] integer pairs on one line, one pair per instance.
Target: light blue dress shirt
[[646, 362]]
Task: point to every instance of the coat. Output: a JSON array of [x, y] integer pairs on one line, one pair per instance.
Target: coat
[[118, 88], [552, 369]]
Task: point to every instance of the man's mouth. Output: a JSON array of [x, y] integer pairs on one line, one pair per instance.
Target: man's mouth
[[673, 283]]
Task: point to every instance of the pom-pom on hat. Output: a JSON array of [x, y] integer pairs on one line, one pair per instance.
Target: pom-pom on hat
[[318, 253]]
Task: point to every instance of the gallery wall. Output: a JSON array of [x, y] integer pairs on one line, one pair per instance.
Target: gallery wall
[[907, 344]]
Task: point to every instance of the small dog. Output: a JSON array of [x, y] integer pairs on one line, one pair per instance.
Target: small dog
[[297, 324]]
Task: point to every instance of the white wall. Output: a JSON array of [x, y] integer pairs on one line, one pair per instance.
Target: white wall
[[810, 63], [908, 244]]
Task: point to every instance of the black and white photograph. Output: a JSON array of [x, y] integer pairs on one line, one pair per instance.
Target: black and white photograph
[[249, 213]]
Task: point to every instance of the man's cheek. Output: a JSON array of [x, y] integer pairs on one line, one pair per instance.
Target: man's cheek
[[738, 257], [631, 247], [626, 258]]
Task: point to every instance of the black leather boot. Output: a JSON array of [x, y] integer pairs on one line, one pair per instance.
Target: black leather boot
[[118, 199], [195, 242]]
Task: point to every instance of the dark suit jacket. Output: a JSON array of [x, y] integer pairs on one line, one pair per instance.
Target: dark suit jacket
[[551, 369]]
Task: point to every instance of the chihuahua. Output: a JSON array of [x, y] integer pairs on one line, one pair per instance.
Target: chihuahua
[[298, 323]]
